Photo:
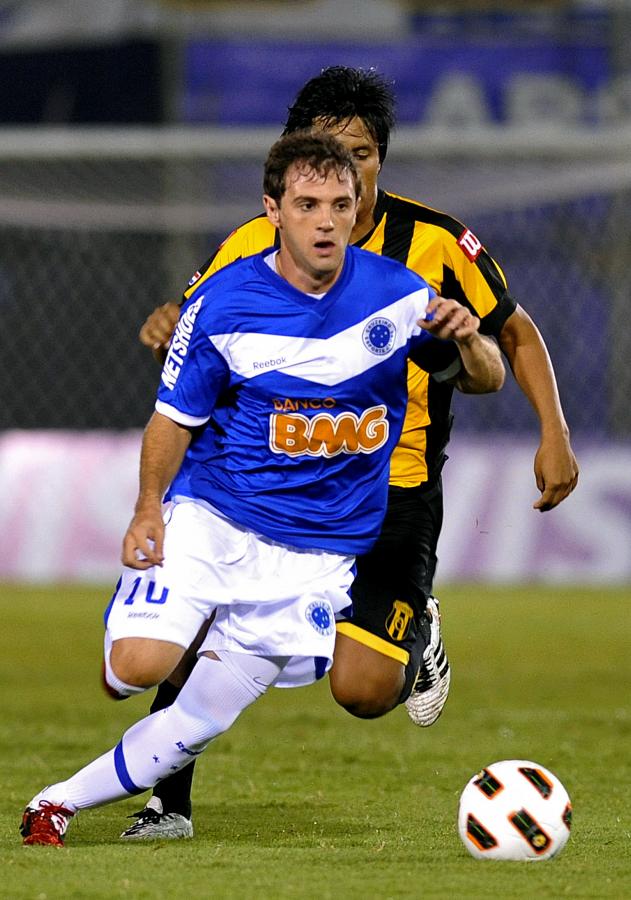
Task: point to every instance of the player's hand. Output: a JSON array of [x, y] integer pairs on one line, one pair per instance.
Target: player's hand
[[158, 329], [449, 320], [143, 544], [556, 472]]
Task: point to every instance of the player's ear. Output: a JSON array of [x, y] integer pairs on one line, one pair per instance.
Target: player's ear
[[272, 209]]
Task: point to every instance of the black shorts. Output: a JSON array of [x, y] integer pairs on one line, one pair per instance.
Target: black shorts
[[395, 578]]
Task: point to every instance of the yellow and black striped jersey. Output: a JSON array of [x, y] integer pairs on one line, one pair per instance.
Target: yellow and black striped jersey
[[452, 260]]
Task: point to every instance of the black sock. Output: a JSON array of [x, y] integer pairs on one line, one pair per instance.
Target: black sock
[[165, 696], [174, 791]]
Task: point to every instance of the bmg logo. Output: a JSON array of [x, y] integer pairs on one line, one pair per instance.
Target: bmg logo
[[328, 435]]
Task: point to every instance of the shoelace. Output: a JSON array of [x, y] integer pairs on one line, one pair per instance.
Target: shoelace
[[146, 815]]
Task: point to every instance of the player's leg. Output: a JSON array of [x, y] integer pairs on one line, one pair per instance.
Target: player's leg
[[167, 814], [374, 668], [366, 682], [249, 646], [155, 614], [431, 687], [137, 664], [378, 650], [381, 650], [209, 703], [162, 602], [143, 646]]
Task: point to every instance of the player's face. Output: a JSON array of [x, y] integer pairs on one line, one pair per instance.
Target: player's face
[[315, 218], [365, 152]]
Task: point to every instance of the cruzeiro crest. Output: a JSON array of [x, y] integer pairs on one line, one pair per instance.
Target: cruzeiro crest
[[320, 616], [378, 335]]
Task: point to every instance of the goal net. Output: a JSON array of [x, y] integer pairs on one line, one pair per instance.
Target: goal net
[[100, 226]]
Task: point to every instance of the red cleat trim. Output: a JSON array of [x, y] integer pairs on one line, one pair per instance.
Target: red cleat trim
[[41, 826], [53, 840]]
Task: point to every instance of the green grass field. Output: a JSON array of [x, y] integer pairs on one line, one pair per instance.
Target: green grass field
[[299, 800]]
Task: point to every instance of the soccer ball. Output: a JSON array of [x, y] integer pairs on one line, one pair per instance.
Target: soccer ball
[[514, 809]]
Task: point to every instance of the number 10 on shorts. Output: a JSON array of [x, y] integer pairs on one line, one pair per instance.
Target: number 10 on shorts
[[150, 597]]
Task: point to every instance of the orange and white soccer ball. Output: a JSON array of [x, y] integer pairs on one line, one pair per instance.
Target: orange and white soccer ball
[[514, 809]]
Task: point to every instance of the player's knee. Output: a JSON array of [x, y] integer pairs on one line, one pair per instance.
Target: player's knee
[[366, 682], [135, 675], [114, 686], [137, 668], [366, 699]]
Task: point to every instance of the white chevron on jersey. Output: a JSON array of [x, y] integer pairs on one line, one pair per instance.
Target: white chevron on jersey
[[301, 454], [327, 361]]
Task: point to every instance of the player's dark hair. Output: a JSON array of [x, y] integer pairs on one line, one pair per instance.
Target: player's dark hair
[[312, 149], [340, 93]]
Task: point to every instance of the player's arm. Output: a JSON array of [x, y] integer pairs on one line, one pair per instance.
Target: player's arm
[[555, 466], [481, 370], [163, 447], [484, 286], [158, 328], [253, 236], [193, 376]]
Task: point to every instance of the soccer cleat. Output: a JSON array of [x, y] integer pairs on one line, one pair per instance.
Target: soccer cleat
[[152, 824], [431, 688], [45, 824]]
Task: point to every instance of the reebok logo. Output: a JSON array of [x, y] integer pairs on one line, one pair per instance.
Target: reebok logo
[[269, 363]]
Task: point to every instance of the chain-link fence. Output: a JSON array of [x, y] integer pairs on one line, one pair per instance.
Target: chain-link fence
[[97, 230]]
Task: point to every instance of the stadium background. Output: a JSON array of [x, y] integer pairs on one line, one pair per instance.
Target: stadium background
[[131, 142]]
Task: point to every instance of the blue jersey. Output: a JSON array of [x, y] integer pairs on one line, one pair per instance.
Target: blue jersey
[[295, 402]]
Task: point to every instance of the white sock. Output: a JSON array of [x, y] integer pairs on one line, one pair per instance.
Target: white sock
[[166, 741]]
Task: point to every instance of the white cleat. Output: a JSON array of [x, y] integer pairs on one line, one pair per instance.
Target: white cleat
[[152, 824], [431, 688]]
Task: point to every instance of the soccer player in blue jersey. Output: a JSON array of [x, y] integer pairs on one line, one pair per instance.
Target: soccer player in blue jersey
[[381, 656], [280, 402]]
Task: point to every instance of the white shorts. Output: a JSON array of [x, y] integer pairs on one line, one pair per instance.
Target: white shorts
[[270, 599]]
